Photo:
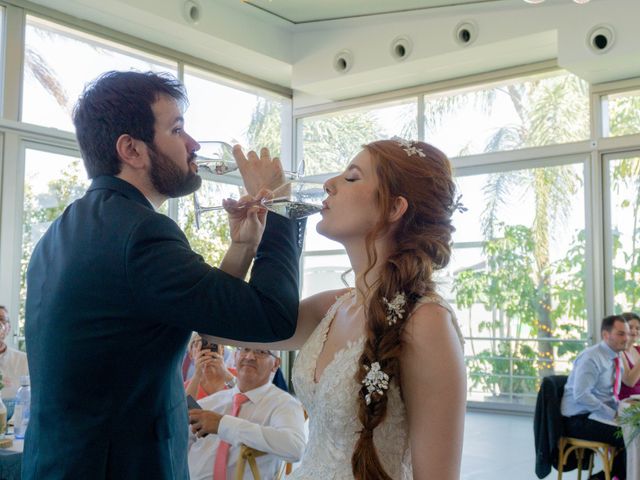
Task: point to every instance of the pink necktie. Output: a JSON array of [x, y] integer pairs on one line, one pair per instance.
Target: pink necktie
[[616, 384], [220, 465]]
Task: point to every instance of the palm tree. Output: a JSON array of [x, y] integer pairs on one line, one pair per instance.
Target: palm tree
[[548, 111]]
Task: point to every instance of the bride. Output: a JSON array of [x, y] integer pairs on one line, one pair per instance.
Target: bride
[[380, 369]]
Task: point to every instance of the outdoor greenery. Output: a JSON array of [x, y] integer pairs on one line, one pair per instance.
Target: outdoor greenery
[[528, 295]]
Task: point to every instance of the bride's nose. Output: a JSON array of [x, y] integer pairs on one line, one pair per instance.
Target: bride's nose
[[329, 186]]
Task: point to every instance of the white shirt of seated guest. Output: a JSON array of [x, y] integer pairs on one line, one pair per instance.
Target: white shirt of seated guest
[[13, 365], [272, 421]]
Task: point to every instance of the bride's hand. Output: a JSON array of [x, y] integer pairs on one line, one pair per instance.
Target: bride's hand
[[246, 223]]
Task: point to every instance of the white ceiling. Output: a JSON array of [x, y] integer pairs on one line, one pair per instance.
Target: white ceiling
[[242, 39], [307, 11]]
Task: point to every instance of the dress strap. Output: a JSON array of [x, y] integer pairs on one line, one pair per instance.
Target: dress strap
[[437, 299]]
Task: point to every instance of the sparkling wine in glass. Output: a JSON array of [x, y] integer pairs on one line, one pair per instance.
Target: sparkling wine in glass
[[215, 157], [294, 199]]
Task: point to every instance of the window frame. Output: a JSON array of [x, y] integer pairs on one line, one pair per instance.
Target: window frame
[[590, 152]]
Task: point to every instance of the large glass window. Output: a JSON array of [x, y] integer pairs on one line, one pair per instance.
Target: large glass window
[[522, 113], [325, 264], [621, 113], [517, 278], [52, 80], [624, 179], [221, 111], [330, 141], [51, 182]]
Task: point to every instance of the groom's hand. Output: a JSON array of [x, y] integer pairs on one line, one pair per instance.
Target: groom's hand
[[259, 172]]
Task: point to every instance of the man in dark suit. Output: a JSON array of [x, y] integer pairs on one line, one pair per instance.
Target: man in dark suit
[[114, 290]]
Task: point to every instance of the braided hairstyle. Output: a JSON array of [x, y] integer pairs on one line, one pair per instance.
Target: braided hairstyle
[[422, 244]]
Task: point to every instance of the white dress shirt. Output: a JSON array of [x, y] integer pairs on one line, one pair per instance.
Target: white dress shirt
[[13, 364], [272, 421], [589, 388]]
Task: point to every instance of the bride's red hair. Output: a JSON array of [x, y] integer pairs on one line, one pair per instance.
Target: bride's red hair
[[422, 244]]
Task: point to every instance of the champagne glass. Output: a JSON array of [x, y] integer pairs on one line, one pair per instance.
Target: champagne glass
[[215, 157], [294, 199]]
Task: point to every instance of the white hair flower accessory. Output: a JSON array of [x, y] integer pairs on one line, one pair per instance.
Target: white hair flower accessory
[[409, 147], [376, 381], [395, 307]]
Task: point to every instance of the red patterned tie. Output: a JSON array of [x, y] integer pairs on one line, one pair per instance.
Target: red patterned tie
[[220, 464], [616, 382]]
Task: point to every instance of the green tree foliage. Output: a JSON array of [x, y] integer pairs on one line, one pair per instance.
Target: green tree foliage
[[212, 239], [331, 142], [624, 114], [517, 283], [265, 127]]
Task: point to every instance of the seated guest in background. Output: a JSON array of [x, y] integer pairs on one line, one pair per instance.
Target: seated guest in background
[[631, 358], [590, 395], [13, 363], [211, 374], [188, 362], [255, 413]]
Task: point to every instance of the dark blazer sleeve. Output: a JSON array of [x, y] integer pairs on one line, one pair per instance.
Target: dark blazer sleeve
[[172, 284]]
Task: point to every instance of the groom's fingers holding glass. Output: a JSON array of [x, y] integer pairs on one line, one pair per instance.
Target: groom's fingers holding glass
[[259, 171], [239, 156]]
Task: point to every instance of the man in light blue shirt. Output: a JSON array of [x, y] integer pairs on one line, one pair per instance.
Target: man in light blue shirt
[[588, 401]]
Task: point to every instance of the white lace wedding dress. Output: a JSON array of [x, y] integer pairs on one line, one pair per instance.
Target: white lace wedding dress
[[332, 407]]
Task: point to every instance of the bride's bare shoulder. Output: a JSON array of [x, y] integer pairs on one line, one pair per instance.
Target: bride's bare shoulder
[[317, 305]]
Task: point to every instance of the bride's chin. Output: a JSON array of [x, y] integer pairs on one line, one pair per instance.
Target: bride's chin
[[323, 230]]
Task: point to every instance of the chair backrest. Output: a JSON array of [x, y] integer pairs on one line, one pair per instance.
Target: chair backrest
[[248, 455]]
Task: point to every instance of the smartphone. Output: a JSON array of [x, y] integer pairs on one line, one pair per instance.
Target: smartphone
[[191, 403], [206, 345]]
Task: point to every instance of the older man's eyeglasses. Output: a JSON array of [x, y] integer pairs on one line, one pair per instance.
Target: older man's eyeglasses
[[256, 352]]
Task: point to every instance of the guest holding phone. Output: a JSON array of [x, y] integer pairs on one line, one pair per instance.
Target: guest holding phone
[[255, 413], [211, 373]]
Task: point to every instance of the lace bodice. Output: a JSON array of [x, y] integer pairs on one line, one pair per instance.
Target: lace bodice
[[332, 407]]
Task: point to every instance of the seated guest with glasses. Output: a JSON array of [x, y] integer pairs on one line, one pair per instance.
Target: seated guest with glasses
[[591, 394], [255, 413], [13, 363]]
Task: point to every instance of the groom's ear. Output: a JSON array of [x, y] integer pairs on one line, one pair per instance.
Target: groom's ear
[[132, 152]]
